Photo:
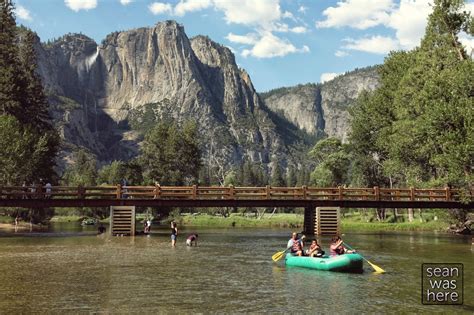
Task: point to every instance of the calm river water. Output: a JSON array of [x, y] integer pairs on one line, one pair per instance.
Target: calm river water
[[70, 270]]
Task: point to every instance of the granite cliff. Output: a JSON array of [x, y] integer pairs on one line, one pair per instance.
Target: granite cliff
[[93, 88], [323, 108], [96, 91]]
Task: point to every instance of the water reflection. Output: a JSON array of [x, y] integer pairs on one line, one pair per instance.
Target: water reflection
[[71, 269]]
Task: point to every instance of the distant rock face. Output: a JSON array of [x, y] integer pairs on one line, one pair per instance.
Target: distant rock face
[[323, 107], [93, 89]]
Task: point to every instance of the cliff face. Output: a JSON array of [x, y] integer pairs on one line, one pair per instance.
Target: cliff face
[[96, 91], [323, 107], [93, 90]]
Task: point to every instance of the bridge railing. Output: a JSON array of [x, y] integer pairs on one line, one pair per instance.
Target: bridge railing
[[236, 193]]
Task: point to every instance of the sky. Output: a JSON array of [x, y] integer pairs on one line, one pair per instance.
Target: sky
[[278, 42]]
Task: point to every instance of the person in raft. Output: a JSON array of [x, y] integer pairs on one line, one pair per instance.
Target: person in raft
[[174, 233], [192, 239], [337, 247], [296, 245], [315, 250]]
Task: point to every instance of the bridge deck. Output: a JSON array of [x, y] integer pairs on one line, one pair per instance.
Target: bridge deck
[[197, 196]]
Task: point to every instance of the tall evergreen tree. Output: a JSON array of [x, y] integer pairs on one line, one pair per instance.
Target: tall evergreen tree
[[417, 128], [10, 67], [35, 103], [277, 176]]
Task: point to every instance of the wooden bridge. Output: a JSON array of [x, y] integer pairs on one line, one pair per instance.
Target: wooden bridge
[[198, 196], [122, 200]]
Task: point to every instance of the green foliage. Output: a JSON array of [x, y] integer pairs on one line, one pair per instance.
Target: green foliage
[[277, 176], [22, 97], [82, 172], [230, 178], [23, 151], [170, 154], [113, 173], [333, 163], [417, 128]]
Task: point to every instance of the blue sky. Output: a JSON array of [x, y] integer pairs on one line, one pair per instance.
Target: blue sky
[[278, 42]]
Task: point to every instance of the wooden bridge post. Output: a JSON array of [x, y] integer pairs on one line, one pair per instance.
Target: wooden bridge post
[[231, 192], [309, 224], [340, 192], [267, 191], [304, 192], [194, 192], [377, 193], [80, 192], [448, 193]]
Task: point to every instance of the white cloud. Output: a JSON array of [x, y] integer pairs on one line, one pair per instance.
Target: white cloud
[[185, 6], [328, 76], [299, 29], [160, 8], [375, 44], [269, 46], [360, 14], [77, 5], [409, 21], [125, 2], [23, 13], [468, 43], [302, 9], [341, 53], [250, 12], [288, 15], [249, 39]]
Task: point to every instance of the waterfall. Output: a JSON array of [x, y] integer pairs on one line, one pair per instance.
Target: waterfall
[[91, 59]]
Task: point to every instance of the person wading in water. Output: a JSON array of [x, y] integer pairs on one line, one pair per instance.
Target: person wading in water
[[174, 233]]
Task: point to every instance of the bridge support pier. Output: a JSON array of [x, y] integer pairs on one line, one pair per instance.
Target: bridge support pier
[[309, 224], [122, 220], [322, 221]]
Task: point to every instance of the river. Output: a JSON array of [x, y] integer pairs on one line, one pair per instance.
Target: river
[[69, 269]]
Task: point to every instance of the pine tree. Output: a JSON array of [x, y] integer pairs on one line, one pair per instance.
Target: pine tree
[[291, 177], [35, 103], [277, 176], [10, 67]]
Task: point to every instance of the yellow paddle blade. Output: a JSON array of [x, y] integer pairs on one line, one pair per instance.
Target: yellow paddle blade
[[376, 268], [277, 256]]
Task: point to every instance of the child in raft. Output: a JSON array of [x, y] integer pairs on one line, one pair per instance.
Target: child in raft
[[315, 250], [337, 247]]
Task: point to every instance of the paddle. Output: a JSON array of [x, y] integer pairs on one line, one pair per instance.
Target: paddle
[[277, 256], [376, 268]]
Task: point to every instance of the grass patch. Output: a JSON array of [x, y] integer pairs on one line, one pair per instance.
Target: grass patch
[[386, 226], [239, 220]]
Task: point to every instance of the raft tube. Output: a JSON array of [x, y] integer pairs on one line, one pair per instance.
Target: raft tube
[[341, 263]]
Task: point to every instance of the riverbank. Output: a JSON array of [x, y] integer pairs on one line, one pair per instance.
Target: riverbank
[[279, 220]]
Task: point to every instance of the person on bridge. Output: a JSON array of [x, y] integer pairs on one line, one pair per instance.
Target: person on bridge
[[337, 247], [174, 233], [192, 239], [315, 250], [296, 245]]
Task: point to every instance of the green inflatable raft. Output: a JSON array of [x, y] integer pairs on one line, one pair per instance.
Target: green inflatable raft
[[341, 263]]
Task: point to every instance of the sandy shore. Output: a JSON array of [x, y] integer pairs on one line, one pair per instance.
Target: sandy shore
[[22, 226]]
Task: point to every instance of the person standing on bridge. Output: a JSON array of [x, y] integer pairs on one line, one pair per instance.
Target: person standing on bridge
[[174, 233]]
